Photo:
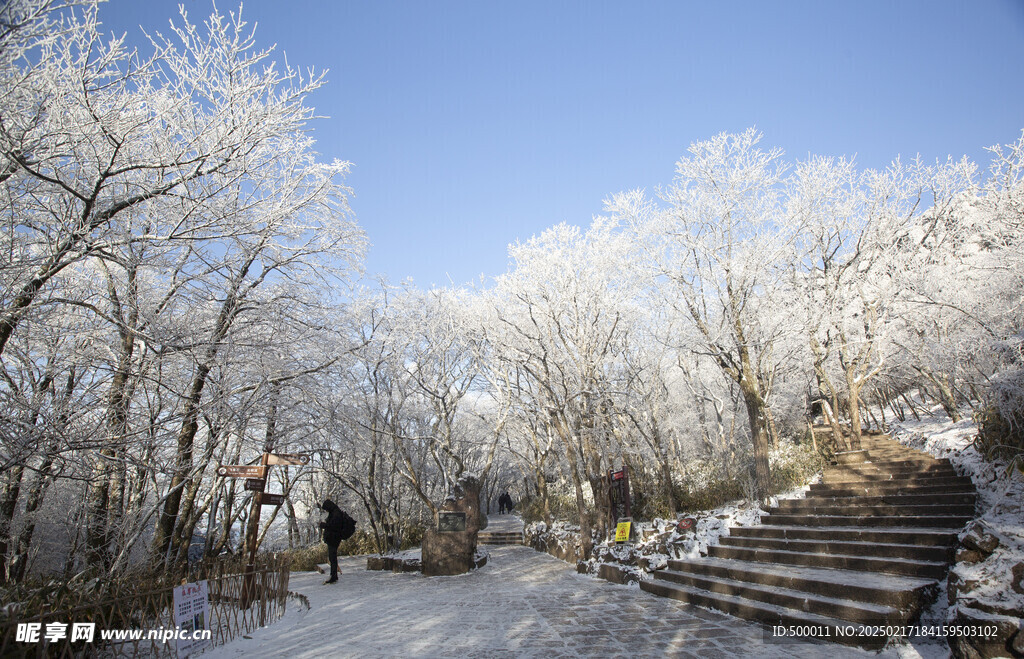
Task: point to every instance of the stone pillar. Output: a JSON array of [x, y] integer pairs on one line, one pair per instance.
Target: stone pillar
[[451, 548]]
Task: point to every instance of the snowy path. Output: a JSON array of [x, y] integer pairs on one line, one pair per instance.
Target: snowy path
[[522, 603]]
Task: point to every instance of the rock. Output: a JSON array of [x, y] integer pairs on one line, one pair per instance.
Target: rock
[[1017, 583], [957, 586], [616, 574], [406, 565], [965, 555], [980, 537], [377, 563], [449, 552], [1018, 644], [652, 563], [984, 647]]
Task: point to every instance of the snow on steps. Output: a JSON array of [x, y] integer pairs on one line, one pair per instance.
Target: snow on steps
[[500, 538], [868, 545], [502, 530]]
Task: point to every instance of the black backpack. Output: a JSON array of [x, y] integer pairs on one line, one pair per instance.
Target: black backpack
[[348, 526]]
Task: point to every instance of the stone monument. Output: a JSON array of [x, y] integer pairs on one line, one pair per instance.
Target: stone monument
[[451, 547]]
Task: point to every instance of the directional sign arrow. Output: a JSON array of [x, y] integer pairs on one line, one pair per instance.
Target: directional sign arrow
[[255, 484], [286, 459], [242, 471], [270, 499]]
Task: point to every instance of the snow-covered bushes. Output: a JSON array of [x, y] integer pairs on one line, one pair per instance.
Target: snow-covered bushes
[[561, 506], [657, 542], [661, 540], [986, 584], [1001, 423], [708, 484]]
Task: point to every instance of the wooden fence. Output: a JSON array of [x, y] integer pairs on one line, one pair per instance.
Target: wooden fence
[[235, 608]]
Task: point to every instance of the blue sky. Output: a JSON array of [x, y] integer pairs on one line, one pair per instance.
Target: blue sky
[[475, 124]]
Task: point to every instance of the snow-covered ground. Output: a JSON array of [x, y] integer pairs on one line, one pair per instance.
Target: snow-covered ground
[[986, 586], [523, 603]]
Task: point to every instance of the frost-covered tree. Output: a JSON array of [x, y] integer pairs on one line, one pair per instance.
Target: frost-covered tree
[[560, 326], [173, 200], [718, 252]]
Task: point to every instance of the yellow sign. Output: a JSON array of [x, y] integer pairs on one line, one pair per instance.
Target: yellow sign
[[622, 531]]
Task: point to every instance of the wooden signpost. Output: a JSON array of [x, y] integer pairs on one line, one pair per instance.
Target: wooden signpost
[[256, 482], [287, 459], [620, 511], [268, 499], [242, 471]]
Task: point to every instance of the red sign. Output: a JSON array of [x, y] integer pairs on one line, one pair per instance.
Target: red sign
[[686, 523], [242, 471]]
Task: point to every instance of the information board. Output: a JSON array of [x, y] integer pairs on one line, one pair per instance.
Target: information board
[[192, 613], [451, 522]]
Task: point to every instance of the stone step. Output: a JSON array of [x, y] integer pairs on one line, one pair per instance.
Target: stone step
[[936, 463], [892, 465], [881, 456], [812, 507], [896, 461], [866, 470], [854, 480], [798, 600], [965, 498], [934, 521], [905, 567], [923, 537], [851, 457], [866, 546], [763, 612], [885, 489], [500, 538], [905, 593], [843, 547]]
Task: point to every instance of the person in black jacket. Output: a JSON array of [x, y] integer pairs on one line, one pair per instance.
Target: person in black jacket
[[505, 504], [332, 527]]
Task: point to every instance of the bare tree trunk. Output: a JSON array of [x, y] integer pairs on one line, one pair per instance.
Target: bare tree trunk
[[853, 388], [586, 534], [36, 492], [946, 397], [8, 504], [910, 404], [190, 413], [758, 427]]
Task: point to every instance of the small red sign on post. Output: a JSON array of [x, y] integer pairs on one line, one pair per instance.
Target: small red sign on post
[[242, 471], [267, 499], [286, 459], [618, 496]]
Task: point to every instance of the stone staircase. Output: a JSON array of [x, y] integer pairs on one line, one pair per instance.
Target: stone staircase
[[867, 546], [502, 530]]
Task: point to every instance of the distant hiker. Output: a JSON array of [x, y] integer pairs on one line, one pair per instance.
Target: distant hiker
[[505, 504], [337, 527]]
